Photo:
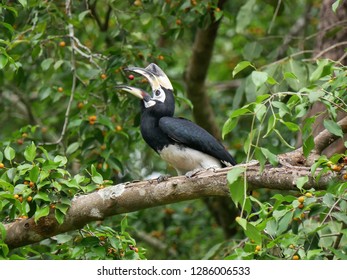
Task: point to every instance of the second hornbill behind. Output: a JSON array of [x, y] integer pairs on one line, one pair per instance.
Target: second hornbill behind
[[180, 142]]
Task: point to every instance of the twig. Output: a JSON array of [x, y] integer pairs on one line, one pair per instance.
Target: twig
[[274, 15], [74, 75], [330, 48]]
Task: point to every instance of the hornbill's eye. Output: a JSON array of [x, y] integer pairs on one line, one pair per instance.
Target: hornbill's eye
[[157, 92]]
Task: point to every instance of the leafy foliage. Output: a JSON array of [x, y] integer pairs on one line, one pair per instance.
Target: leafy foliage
[[66, 131]]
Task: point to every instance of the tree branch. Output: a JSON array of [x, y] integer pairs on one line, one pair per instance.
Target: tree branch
[[196, 73], [129, 197]]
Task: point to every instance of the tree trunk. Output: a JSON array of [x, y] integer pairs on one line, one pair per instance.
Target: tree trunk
[[332, 32]]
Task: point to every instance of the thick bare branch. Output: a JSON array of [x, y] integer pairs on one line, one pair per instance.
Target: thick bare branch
[[129, 197]]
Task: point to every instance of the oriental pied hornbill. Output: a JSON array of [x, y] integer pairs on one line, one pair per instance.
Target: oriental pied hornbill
[[180, 142]]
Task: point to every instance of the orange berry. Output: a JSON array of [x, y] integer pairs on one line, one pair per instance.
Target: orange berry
[[302, 216], [301, 199], [20, 198], [16, 196], [345, 176], [103, 147], [296, 257], [217, 10], [20, 141], [62, 44], [52, 206], [29, 198], [136, 249], [291, 246], [308, 194], [336, 168], [301, 206], [92, 119], [44, 129], [60, 89], [137, 3], [80, 105], [161, 57], [131, 77], [169, 211], [31, 184], [24, 135], [178, 21], [103, 76], [2, 165], [119, 128], [258, 248]]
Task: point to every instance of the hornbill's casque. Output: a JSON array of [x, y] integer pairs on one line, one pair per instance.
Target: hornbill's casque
[[180, 142]]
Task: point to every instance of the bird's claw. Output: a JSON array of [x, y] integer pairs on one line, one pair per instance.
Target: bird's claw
[[191, 174], [163, 178]]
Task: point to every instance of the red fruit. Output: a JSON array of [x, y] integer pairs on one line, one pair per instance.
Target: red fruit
[[131, 77]]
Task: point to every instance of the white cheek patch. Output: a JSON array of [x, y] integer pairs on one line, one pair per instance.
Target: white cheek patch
[[159, 94], [150, 103]]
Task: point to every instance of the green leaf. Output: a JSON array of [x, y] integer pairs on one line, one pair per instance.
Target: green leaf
[[61, 159], [300, 182], [82, 15], [240, 66], [270, 156], [1, 156], [228, 126], [323, 69], [282, 139], [24, 3], [333, 127], [2, 232], [283, 109], [245, 15], [41, 212], [253, 233], [259, 78], [34, 174], [292, 126], [290, 75], [45, 64], [260, 110], [3, 61], [30, 152], [42, 196], [72, 148], [124, 224], [252, 50], [270, 125], [308, 145], [250, 230], [341, 217], [146, 18], [236, 184], [9, 153], [96, 176], [335, 5], [59, 216]]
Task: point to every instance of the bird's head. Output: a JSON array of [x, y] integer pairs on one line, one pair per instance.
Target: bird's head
[[162, 101]]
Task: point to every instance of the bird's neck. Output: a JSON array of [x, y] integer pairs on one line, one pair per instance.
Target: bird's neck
[[152, 134]]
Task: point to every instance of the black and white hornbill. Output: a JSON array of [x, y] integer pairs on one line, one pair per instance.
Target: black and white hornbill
[[180, 142]]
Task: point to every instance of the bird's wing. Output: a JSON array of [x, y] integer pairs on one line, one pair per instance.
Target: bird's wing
[[193, 136]]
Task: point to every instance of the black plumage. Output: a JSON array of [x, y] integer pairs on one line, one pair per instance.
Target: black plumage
[[178, 141]]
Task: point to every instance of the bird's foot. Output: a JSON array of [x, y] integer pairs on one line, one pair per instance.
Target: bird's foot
[[163, 178], [191, 174]]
